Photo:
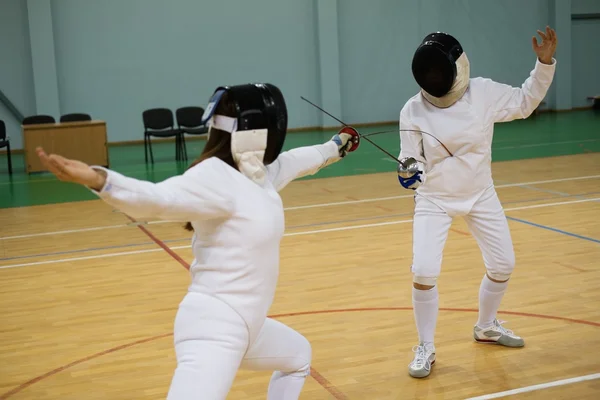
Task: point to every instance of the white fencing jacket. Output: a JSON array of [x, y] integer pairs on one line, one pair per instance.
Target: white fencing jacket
[[238, 224], [466, 128]]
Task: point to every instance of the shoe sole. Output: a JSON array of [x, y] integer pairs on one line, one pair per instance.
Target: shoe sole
[[497, 342]]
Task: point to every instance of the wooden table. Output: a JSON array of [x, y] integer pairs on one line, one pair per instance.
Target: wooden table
[[85, 141]]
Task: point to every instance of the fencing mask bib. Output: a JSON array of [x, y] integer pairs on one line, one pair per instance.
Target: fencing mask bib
[[257, 130], [441, 69]]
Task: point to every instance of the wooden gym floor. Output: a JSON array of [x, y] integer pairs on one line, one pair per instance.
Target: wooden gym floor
[[87, 298]]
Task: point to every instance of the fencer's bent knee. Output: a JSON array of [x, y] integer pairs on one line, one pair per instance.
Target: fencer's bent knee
[[306, 355], [425, 280], [301, 372], [304, 371], [301, 365]]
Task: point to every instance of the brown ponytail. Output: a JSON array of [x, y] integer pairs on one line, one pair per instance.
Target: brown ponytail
[[218, 144]]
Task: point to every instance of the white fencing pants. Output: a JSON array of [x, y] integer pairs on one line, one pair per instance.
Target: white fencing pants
[[487, 223], [211, 343]]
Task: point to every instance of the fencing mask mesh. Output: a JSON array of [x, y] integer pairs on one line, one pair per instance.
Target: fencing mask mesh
[[441, 69]]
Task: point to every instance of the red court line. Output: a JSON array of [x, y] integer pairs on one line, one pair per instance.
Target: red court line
[[76, 362], [161, 244], [318, 377], [471, 310], [314, 373], [329, 388], [326, 384]]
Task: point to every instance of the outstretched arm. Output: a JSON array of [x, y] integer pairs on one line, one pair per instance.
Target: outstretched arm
[[308, 160], [508, 103], [189, 197], [195, 195]]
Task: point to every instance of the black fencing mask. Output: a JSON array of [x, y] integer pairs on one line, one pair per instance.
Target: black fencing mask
[[257, 130], [441, 69]]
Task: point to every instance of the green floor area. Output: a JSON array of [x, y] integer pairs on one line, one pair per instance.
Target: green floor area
[[545, 135]]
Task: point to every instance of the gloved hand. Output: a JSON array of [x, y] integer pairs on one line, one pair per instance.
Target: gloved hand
[[347, 140], [410, 174]]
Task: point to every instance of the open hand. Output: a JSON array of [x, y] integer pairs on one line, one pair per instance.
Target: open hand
[[72, 170], [545, 51]]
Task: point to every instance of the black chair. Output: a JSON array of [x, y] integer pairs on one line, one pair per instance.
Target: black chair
[[75, 117], [158, 122], [38, 119], [189, 120], [5, 142], [595, 102]]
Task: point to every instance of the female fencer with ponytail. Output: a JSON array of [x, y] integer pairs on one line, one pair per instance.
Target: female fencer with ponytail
[[229, 198], [455, 178]]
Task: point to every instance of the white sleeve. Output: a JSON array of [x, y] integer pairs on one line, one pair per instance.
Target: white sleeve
[[508, 103], [198, 194], [300, 162], [411, 143]]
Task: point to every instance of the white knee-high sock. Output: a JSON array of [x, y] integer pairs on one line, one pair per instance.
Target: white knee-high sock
[[425, 306], [490, 296], [286, 386]]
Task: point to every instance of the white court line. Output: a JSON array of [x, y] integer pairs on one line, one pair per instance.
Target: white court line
[[536, 387], [99, 228], [548, 181], [507, 185], [125, 253], [551, 204], [338, 203], [545, 144], [347, 228], [387, 159], [341, 203], [342, 228], [526, 146]]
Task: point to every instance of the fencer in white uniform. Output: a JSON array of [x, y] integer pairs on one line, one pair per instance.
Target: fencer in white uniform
[[230, 198], [451, 173]]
